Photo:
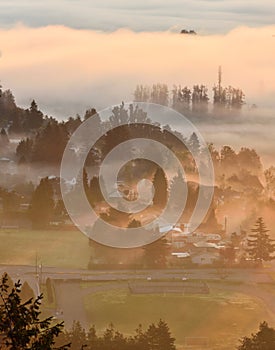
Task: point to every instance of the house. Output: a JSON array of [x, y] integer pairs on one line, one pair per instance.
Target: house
[[178, 242], [179, 238], [201, 248], [205, 258], [7, 165]]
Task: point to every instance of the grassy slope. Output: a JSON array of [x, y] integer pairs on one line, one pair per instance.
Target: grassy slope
[[53, 248]]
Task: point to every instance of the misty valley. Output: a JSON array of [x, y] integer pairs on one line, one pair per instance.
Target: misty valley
[[191, 283]]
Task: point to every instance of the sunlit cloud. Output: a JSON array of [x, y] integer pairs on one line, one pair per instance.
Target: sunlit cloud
[[56, 65], [68, 70]]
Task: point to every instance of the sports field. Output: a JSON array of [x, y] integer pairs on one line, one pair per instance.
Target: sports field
[[219, 316]]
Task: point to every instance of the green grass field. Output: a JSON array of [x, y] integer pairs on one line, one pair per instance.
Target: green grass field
[[53, 248], [221, 317]]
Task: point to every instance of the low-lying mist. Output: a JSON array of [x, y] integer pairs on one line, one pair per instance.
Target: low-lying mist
[[67, 71]]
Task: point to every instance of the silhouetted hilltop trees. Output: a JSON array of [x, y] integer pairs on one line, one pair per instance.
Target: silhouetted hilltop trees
[[264, 339], [156, 337], [48, 143], [229, 162], [45, 138], [186, 31], [18, 120], [47, 146], [193, 101]]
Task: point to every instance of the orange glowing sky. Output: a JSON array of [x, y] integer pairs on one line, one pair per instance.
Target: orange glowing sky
[[56, 64]]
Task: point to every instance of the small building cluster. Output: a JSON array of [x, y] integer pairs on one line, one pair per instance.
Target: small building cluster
[[198, 247]]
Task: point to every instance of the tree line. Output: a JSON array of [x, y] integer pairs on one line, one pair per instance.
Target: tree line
[[195, 100], [157, 336]]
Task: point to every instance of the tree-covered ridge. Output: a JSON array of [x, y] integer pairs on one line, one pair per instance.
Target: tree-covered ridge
[[238, 173], [193, 101], [18, 120], [44, 138]]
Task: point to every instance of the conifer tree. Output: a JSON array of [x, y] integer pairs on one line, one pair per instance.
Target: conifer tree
[[20, 323], [260, 245], [42, 204]]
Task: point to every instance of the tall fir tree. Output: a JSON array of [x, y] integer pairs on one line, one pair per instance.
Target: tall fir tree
[[260, 245], [159, 337], [161, 188], [42, 204]]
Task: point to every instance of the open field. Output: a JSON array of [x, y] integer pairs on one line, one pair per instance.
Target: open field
[[53, 248], [223, 314]]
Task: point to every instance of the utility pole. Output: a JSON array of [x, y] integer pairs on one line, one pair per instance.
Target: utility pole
[[36, 265], [40, 274], [225, 224], [220, 81]]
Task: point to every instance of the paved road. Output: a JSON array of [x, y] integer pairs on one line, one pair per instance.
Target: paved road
[[241, 275]]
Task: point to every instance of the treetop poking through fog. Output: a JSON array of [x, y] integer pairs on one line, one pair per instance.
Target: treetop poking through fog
[[150, 15]]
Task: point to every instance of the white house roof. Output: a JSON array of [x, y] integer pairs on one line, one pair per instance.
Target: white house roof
[[177, 229], [207, 245], [5, 159], [181, 254]]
